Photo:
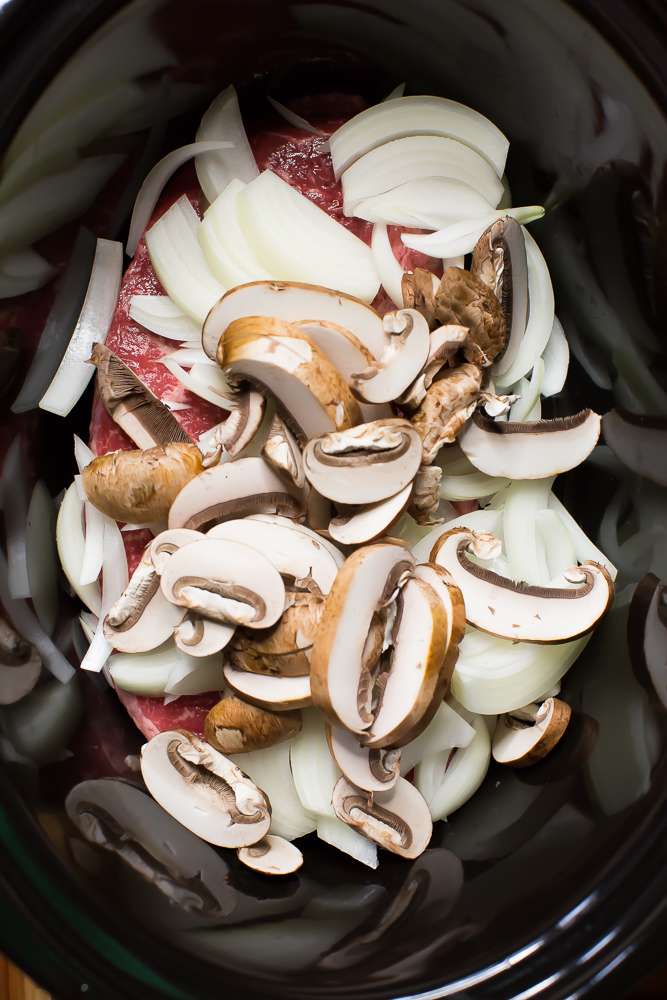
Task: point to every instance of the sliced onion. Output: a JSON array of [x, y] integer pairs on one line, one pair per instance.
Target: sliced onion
[[226, 226], [476, 520], [446, 788], [294, 119], [154, 674], [159, 314], [15, 508], [387, 266], [314, 769], [556, 357], [470, 487], [40, 725], [152, 187], [60, 324], [558, 545], [179, 262], [74, 372], [223, 121], [189, 356], [297, 241], [185, 679], [333, 831], [529, 395], [218, 259], [396, 92], [71, 543], [415, 158], [42, 558], [405, 116], [458, 261], [207, 383], [583, 546], [523, 544], [23, 271], [427, 203], [82, 453], [93, 553], [115, 580], [461, 237], [447, 729], [270, 770]]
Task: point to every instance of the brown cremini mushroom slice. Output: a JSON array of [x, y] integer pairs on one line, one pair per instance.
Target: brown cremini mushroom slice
[[272, 856], [318, 511], [531, 450], [279, 694], [234, 489], [425, 498], [499, 259], [519, 612], [132, 405], [446, 407], [167, 542], [226, 581], [398, 820], [639, 440], [203, 790], [310, 394], [370, 520], [369, 580], [238, 430], [20, 665], [199, 636], [401, 363], [525, 736], [282, 452], [142, 618], [464, 299], [444, 343], [284, 650], [370, 769], [419, 290], [647, 635], [338, 556], [452, 600], [234, 726], [568, 756], [140, 487], [364, 464]]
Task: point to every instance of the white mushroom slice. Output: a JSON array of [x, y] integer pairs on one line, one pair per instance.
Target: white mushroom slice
[[142, 618], [324, 542], [446, 407], [167, 542], [366, 463], [402, 361], [203, 790], [272, 856], [452, 600], [523, 738], [234, 489], [282, 452], [639, 440], [372, 770], [398, 820], [519, 612], [292, 302], [340, 679], [238, 430], [233, 726], [532, 450], [20, 666], [226, 581], [647, 635], [299, 557], [443, 345], [202, 637], [278, 359], [371, 520], [349, 355], [276, 693]]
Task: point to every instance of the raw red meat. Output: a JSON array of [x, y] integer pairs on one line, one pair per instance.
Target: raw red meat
[[152, 716]]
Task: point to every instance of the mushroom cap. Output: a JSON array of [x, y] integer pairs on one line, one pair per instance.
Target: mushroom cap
[[398, 820], [639, 441], [402, 361], [140, 486], [520, 612], [279, 694], [282, 452], [226, 581], [272, 855], [419, 290], [203, 790], [499, 259], [234, 489], [532, 449], [142, 618], [167, 542], [199, 636], [234, 726], [519, 743], [20, 665], [370, 769], [240, 427], [445, 408], [284, 649], [465, 300], [370, 521], [365, 464]]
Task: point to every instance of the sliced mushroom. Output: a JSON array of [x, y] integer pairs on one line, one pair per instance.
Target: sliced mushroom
[[203, 790], [338, 556], [167, 542], [293, 302], [238, 430], [370, 769], [499, 259], [318, 511], [516, 611], [234, 489], [568, 756], [446, 407], [279, 694], [496, 406], [402, 361], [452, 600], [532, 450], [200, 636], [272, 856], [647, 635], [132, 405], [527, 735], [142, 618], [369, 579], [370, 520], [419, 289], [398, 820], [464, 299], [139, 487], [20, 665], [285, 649], [639, 440], [364, 464], [282, 452], [234, 726], [443, 345], [311, 396], [425, 497]]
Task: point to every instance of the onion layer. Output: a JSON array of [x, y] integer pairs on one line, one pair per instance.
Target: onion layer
[[159, 314]]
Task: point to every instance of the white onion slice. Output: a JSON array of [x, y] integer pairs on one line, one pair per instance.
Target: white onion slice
[[470, 487], [15, 509], [412, 159], [461, 237], [71, 544], [396, 92], [405, 116], [218, 259], [156, 673], [23, 271], [314, 769], [209, 387], [294, 119], [333, 831], [42, 558], [115, 580], [159, 314], [155, 181], [297, 241], [476, 520], [447, 729], [82, 453], [189, 356], [556, 357], [583, 546], [426, 203], [224, 216], [270, 770], [559, 548], [447, 788], [215, 170], [458, 261], [387, 266], [523, 544], [179, 262], [205, 676], [74, 372], [529, 395], [93, 553]]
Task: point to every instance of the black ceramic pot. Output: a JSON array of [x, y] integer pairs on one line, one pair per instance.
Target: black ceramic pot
[[550, 890]]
